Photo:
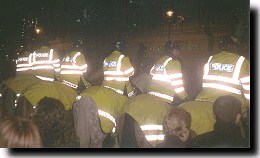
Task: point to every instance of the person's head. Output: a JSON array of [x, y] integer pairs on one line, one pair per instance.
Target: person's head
[[227, 109], [120, 46], [228, 43], [50, 118], [177, 121], [24, 108], [19, 132], [172, 48]]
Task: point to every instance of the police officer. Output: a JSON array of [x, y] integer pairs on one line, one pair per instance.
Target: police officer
[[24, 64], [226, 73], [73, 66], [167, 79], [46, 63], [117, 70]]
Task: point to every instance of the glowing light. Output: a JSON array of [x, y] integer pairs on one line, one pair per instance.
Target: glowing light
[[169, 13]]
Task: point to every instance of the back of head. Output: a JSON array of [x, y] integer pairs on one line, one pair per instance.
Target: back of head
[[24, 108], [227, 43], [175, 121], [48, 109], [19, 133], [226, 109], [50, 118], [170, 46], [120, 46]]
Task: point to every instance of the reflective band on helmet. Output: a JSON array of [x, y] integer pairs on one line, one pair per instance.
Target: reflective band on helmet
[[70, 84], [151, 127], [161, 95], [222, 87], [45, 78], [116, 90], [116, 78], [108, 116], [154, 137]]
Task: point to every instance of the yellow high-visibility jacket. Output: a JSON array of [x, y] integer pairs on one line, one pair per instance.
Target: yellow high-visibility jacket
[[167, 79], [24, 64], [226, 74], [109, 103], [45, 64], [202, 116], [54, 90], [117, 70], [149, 112], [73, 65]]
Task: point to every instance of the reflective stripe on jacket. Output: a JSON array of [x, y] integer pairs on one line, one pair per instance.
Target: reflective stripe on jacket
[[24, 64], [45, 64], [226, 74], [73, 66], [110, 105], [117, 70], [167, 79], [148, 111]]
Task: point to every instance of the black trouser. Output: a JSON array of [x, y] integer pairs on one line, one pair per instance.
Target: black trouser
[[128, 139]]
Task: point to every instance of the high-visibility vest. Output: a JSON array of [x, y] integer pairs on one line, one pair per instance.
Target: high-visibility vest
[[148, 111], [24, 64], [167, 79], [54, 90], [117, 70], [73, 65], [202, 116], [226, 74], [46, 63], [109, 104]]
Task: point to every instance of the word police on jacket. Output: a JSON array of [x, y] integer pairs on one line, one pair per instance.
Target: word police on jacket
[[222, 67], [41, 55], [110, 64], [159, 68]]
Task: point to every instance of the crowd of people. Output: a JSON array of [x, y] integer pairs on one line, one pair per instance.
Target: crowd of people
[[120, 112]]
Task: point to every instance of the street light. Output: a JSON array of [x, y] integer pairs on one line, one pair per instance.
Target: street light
[[169, 14], [38, 30]]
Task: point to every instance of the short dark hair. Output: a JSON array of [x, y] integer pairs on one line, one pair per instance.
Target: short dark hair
[[180, 115], [226, 108]]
